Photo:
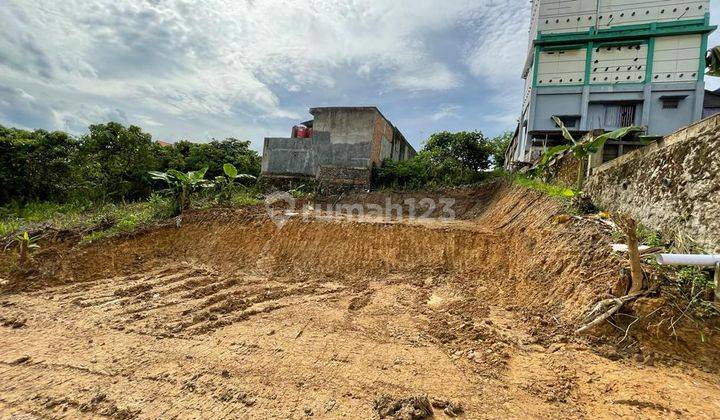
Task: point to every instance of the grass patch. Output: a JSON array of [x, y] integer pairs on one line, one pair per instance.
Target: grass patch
[[129, 218], [102, 220], [543, 187], [245, 198]]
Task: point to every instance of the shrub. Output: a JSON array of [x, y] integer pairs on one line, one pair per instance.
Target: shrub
[[448, 159], [109, 164]]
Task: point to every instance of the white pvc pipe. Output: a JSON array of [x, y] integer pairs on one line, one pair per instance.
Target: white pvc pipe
[[696, 260]]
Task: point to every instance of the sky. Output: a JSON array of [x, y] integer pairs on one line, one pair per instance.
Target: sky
[[212, 69]]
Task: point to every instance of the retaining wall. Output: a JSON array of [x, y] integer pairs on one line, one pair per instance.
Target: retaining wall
[[672, 185]]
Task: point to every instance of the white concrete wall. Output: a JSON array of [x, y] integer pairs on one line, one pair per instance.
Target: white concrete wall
[[559, 16], [677, 59], [632, 12], [562, 16], [562, 67], [622, 64]]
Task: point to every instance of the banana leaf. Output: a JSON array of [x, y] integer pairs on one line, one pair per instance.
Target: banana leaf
[[551, 153], [597, 143], [230, 170], [565, 131]]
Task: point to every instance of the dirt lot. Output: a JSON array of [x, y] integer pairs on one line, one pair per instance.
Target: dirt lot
[[228, 317]]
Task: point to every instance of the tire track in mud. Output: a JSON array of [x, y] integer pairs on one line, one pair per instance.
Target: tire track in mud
[[184, 299]]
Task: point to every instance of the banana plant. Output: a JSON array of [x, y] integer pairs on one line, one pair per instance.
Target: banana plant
[[25, 244], [712, 60], [226, 184], [183, 185], [582, 149]]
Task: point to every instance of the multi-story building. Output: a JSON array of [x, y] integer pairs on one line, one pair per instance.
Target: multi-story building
[[606, 64]]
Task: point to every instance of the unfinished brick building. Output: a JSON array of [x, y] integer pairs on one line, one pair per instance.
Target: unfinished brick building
[[345, 144]]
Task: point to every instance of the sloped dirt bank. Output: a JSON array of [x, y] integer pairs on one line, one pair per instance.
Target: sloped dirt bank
[[230, 317]]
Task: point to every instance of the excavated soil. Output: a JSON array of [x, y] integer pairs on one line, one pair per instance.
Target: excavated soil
[[230, 317]]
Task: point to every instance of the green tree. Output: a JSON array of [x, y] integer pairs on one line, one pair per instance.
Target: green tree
[[447, 159], [216, 153], [183, 185], [582, 149], [468, 149], [117, 159], [37, 165], [498, 146]]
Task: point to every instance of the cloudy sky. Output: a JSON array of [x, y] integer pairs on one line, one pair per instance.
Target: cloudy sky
[[184, 69]]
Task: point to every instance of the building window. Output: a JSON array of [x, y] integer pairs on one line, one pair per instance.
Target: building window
[[672, 102], [620, 115]]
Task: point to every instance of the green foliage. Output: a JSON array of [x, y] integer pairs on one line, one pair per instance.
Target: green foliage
[[102, 220], [116, 161], [582, 149], [109, 164], [697, 286], [649, 237], [25, 244], [25, 240], [713, 62], [301, 191], [183, 185], [447, 159], [245, 198], [227, 185], [545, 188], [185, 156], [469, 151], [37, 165], [498, 146], [127, 218], [9, 226]]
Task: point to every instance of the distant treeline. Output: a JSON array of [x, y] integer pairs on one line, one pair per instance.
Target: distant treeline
[[110, 163]]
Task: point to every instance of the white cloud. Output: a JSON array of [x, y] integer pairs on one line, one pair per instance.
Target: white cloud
[[505, 119], [240, 67], [446, 111], [503, 42], [429, 78]]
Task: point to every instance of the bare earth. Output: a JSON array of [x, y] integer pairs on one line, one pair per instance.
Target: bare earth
[[228, 317]]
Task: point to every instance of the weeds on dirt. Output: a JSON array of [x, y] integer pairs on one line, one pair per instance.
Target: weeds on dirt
[[694, 285], [302, 191], [688, 292], [92, 222], [553, 190], [97, 221], [25, 244]]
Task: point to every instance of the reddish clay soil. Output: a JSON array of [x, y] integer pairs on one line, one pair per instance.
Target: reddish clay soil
[[229, 317]]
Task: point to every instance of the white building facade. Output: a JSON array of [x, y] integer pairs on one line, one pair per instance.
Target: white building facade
[[606, 64]]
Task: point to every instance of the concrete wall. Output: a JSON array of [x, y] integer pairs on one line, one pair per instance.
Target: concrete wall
[[562, 16], [346, 138], [664, 121], [555, 101], [672, 186], [348, 126], [289, 156]]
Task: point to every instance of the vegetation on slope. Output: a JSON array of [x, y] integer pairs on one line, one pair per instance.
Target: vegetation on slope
[[447, 159]]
